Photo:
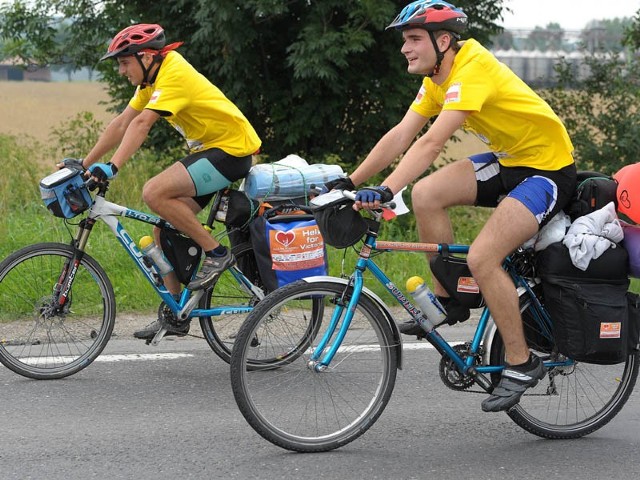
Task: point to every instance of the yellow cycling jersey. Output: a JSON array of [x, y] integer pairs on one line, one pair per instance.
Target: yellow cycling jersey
[[506, 114], [197, 109]]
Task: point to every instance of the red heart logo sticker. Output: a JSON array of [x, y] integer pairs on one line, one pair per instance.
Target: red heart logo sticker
[[624, 199], [285, 238]]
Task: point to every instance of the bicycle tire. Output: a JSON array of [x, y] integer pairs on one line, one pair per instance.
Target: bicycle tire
[[292, 404], [570, 402], [220, 332], [39, 341]]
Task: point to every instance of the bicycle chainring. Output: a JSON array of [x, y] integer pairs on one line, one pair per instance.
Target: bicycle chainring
[[449, 373], [167, 318]]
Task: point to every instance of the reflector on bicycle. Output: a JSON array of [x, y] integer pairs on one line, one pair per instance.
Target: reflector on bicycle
[[64, 193]]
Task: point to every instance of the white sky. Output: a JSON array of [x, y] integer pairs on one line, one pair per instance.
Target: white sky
[[570, 14]]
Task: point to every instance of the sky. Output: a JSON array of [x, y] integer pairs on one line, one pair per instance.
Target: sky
[[570, 14]]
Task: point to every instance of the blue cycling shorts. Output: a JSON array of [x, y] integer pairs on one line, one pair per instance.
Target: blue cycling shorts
[[543, 192]]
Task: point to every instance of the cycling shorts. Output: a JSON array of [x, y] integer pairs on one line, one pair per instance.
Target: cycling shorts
[[212, 170], [543, 192]]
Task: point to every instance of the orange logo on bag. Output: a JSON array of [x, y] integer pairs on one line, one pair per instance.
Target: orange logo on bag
[[297, 249], [467, 285], [610, 330]]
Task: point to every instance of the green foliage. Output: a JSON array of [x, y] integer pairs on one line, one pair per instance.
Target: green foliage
[[315, 78], [601, 112]]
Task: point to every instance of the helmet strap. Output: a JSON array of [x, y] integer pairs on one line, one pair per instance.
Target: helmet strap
[[439, 54], [146, 81]]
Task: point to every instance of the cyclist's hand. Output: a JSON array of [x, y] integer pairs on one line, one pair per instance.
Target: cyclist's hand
[[342, 183], [372, 197], [75, 163], [103, 171]]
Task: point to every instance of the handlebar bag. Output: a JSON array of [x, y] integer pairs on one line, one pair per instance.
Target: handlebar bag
[[287, 247], [64, 193]]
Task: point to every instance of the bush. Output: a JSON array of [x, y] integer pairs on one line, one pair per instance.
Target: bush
[[601, 112]]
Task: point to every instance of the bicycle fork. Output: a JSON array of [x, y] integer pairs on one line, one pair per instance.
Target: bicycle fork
[[62, 289], [344, 310]]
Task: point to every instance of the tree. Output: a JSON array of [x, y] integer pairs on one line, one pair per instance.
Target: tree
[[602, 111], [549, 38], [316, 78]]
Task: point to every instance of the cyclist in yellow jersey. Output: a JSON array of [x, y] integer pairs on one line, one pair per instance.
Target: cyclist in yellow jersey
[[220, 139], [528, 173]]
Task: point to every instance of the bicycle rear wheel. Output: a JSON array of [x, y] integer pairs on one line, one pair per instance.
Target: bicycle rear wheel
[[38, 338], [294, 405], [572, 401], [221, 331]]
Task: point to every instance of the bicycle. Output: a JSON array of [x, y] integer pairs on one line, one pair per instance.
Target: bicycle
[[329, 394], [58, 306]]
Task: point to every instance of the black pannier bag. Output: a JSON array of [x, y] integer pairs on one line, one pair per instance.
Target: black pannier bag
[[240, 209], [633, 337], [182, 252], [593, 191], [588, 309], [454, 275]]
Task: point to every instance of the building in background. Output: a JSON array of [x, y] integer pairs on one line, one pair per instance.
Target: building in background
[[14, 69]]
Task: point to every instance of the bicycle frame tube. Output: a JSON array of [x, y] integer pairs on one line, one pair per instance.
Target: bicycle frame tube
[[108, 211]]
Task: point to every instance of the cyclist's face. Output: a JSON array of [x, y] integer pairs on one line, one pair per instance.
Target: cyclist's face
[[130, 67], [418, 50]]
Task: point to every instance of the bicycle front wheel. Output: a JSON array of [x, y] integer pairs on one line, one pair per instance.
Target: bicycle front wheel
[[39, 338], [291, 403], [570, 401]]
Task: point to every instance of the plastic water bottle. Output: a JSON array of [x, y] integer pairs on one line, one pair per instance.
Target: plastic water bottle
[[272, 181], [426, 301], [152, 251]]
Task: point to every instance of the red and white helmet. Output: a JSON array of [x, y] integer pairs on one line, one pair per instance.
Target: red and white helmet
[[135, 39]]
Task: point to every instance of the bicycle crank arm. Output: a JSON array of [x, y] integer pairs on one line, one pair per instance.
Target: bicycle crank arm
[[159, 336]]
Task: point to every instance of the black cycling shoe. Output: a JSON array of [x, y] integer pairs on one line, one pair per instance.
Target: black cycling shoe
[[166, 318], [148, 332], [513, 383], [456, 312]]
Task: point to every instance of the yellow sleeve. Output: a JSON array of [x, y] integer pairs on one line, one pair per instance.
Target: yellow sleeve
[[140, 98]]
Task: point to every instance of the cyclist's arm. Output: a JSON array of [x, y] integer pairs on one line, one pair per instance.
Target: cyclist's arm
[[426, 149], [391, 145], [112, 136], [134, 136]]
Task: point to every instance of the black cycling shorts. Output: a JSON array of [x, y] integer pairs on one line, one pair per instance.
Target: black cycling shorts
[[212, 170]]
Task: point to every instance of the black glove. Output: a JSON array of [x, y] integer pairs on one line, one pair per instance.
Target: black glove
[[381, 194], [75, 163], [341, 183], [103, 171]]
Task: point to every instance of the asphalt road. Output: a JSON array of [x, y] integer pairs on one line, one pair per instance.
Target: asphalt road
[[172, 415]]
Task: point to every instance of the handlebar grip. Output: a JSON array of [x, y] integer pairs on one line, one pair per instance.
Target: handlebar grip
[[91, 184]]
